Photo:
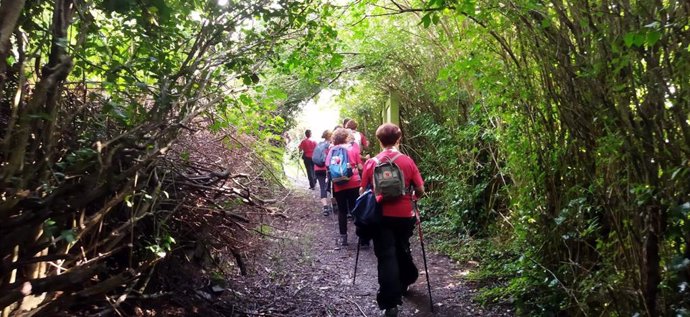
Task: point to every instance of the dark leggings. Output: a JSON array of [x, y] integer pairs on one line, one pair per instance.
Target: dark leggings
[[309, 166], [346, 201], [324, 183], [395, 266]]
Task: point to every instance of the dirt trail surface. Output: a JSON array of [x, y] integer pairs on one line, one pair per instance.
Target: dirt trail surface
[[301, 271]]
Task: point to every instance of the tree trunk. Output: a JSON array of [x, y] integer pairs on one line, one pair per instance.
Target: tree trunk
[[9, 14]]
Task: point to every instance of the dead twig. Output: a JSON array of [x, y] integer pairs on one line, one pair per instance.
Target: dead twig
[[358, 307]]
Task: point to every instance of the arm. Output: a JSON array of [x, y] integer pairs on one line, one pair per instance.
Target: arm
[[417, 182], [366, 176], [328, 156], [356, 156]]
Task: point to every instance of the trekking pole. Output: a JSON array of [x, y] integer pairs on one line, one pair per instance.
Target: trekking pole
[[356, 261], [426, 269]]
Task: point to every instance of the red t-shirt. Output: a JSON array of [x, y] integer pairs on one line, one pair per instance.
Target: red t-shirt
[[308, 147], [356, 149], [354, 160], [401, 207]]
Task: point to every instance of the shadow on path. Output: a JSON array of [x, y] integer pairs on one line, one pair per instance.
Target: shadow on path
[[302, 272]]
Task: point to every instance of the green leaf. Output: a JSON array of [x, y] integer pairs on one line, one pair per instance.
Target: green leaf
[[435, 3], [245, 100], [276, 93], [435, 19], [653, 37], [468, 6], [128, 201], [68, 235], [639, 39], [443, 74], [336, 60], [426, 20], [545, 23], [49, 227], [246, 80], [169, 240], [628, 39]]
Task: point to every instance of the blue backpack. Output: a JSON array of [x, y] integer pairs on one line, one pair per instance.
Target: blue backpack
[[339, 168], [319, 157]]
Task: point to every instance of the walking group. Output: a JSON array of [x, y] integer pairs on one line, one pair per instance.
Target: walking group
[[392, 182]]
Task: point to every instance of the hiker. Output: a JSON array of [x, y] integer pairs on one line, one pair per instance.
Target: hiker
[[360, 141], [396, 270], [359, 137], [345, 183], [321, 171], [307, 147], [334, 203]]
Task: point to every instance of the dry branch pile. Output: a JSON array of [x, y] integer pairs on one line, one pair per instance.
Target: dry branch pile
[[93, 98], [190, 198]]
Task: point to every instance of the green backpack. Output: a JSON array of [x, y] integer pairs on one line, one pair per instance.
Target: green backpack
[[389, 182]]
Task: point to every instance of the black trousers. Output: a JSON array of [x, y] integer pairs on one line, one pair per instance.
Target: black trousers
[[309, 166], [324, 183], [395, 266], [346, 201]]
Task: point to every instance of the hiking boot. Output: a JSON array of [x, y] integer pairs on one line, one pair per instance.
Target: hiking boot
[[391, 312], [364, 245], [326, 211], [334, 208], [343, 240]]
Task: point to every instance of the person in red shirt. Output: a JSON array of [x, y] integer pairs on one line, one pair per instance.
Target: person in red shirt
[[396, 270], [307, 147], [345, 193]]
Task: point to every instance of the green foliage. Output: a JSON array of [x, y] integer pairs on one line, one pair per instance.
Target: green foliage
[[552, 139], [93, 99], [162, 245]]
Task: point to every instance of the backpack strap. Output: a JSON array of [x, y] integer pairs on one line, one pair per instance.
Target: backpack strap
[[390, 160], [394, 157]]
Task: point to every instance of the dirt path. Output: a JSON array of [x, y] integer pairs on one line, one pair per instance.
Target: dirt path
[[304, 273]]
